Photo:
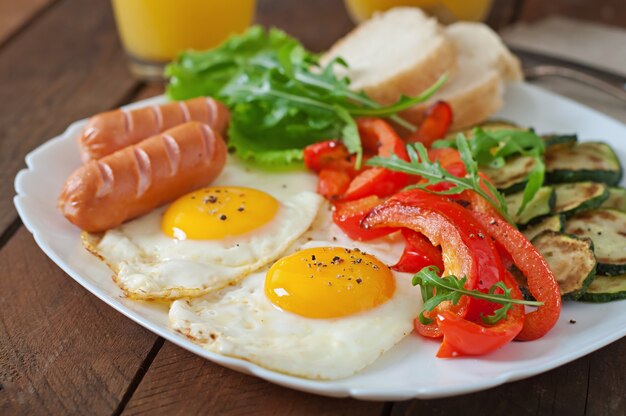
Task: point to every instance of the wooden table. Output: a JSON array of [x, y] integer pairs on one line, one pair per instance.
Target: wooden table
[[63, 351]]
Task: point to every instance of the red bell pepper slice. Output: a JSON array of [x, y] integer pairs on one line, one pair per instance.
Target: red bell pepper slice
[[435, 125], [378, 136], [418, 253], [462, 337], [332, 183], [376, 181], [330, 154], [541, 282], [466, 249], [348, 216]]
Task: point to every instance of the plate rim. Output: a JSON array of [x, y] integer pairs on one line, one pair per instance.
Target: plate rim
[[311, 386]]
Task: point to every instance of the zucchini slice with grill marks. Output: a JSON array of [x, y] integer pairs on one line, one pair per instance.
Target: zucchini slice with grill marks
[[607, 229], [571, 259], [557, 139], [589, 161], [606, 289], [540, 206], [616, 199], [489, 125], [579, 196], [552, 223], [511, 177]]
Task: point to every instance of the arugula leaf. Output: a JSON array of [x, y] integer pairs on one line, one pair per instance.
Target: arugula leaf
[[436, 290], [420, 164], [493, 147], [281, 99]]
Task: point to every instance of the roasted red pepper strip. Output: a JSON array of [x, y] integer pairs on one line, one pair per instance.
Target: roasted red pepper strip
[[435, 125], [466, 250], [330, 154], [380, 137], [418, 253], [376, 181], [348, 216], [541, 281], [332, 183], [462, 337]]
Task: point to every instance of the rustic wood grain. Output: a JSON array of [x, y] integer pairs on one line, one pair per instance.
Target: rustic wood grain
[[606, 392], [179, 382], [15, 14], [611, 12], [66, 66], [62, 350], [317, 24], [567, 390]]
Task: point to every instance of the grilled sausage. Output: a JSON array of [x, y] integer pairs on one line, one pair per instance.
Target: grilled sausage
[[104, 193], [111, 131]]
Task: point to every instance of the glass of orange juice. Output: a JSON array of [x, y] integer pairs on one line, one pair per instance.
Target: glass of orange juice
[[153, 32], [447, 11]]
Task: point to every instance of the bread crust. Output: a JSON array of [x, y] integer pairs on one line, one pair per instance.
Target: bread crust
[[470, 108]]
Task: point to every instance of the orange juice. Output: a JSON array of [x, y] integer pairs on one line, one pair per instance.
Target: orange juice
[[447, 11], [156, 30]]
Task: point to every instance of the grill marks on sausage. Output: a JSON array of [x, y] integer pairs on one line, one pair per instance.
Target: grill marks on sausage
[[212, 107], [158, 118], [209, 140], [144, 170], [106, 179], [173, 153], [185, 111], [128, 122]]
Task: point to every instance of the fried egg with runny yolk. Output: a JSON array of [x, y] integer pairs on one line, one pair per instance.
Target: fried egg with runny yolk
[[323, 311], [329, 282], [218, 212], [211, 237]]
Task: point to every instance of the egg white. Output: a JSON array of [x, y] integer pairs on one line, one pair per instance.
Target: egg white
[[241, 322], [150, 265]]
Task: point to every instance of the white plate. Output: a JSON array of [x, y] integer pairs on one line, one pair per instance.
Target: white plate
[[410, 369]]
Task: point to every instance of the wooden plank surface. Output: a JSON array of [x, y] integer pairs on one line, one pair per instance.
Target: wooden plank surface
[[317, 24], [179, 382], [611, 12], [66, 66], [62, 350], [592, 385], [15, 14]]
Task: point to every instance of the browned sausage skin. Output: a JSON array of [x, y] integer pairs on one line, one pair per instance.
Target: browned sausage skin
[[131, 182], [108, 132]]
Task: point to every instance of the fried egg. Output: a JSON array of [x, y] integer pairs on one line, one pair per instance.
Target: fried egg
[[212, 237], [325, 310]]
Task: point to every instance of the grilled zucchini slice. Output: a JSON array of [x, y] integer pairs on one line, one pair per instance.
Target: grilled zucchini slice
[[511, 177], [606, 289], [552, 223], [559, 139], [571, 259], [607, 229], [540, 206], [616, 199], [577, 162], [489, 125], [579, 196]]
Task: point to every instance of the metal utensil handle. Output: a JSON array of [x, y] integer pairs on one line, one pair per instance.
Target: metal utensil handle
[[538, 71]]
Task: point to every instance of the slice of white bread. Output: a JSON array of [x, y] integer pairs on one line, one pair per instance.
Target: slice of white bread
[[484, 65], [400, 51]]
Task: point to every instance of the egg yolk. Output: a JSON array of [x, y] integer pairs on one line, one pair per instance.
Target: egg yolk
[[329, 282], [218, 212]]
